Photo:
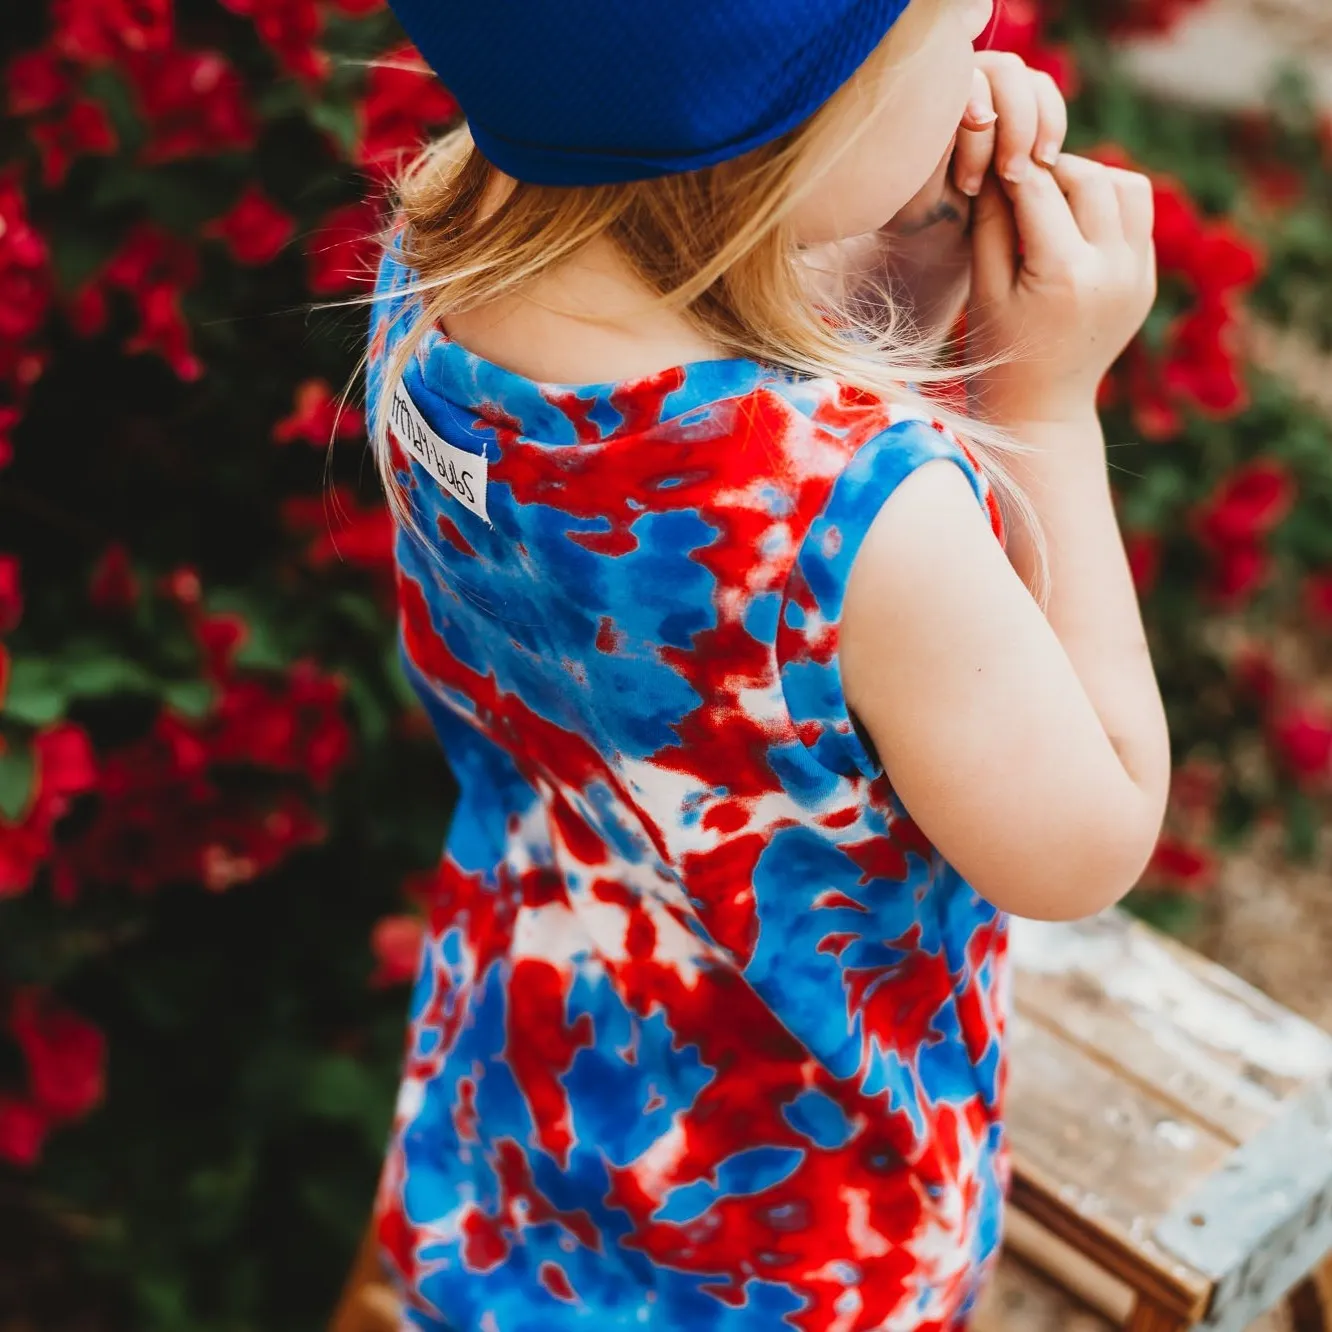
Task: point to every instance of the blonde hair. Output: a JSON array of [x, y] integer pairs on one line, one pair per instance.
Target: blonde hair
[[716, 244]]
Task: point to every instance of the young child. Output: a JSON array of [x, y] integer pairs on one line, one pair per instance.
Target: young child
[[761, 709]]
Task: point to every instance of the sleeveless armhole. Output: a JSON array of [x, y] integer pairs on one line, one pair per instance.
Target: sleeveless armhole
[[808, 631]]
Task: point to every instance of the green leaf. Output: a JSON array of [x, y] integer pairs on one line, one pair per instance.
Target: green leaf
[[336, 1087], [17, 770], [339, 120], [191, 698], [1171, 913], [1302, 823], [36, 693], [98, 677]]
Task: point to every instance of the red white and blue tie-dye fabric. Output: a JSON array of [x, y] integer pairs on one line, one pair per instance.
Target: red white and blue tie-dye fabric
[[706, 1035]]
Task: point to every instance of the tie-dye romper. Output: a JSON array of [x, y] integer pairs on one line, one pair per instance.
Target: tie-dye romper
[[706, 1036]]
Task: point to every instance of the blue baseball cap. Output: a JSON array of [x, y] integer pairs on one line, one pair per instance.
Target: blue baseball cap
[[592, 92]]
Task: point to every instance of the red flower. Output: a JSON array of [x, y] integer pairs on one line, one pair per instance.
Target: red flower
[[183, 586], [221, 637], [1184, 868], [255, 229], [298, 728], [155, 268], [64, 769], [66, 1057], [1144, 557], [1203, 361], [396, 943], [36, 81], [25, 282], [1178, 226], [22, 1131], [1196, 787], [9, 419], [113, 586], [1237, 573], [1247, 505], [1256, 673], [95, 31], [1301, 735], [82, 129], [317, 417], [343, 530], [343, 250], [1318, 598], [194, 103], [403, 102], [11, 593], [1154, 411], [290, 29]]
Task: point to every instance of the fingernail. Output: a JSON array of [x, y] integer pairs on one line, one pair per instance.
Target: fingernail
[[1048, 155], [971, 187], [982, 117], [1017, 170]]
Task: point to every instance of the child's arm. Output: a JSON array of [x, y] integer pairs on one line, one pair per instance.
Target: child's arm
[[1030, 748]]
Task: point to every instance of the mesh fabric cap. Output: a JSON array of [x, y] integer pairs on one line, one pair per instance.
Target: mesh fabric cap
[[588, 92]]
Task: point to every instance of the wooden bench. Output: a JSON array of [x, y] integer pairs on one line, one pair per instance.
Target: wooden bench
[[1171, 1131]]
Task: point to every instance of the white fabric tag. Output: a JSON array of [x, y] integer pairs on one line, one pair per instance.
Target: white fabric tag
[[461, 473]]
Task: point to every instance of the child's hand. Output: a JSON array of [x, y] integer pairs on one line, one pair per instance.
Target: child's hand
[[1064, 274], [1016, 115]]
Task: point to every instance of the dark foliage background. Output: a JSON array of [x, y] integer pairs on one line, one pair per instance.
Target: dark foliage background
[[217, 804]]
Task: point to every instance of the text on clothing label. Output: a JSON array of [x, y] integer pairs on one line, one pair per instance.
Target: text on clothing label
[[461, 473]]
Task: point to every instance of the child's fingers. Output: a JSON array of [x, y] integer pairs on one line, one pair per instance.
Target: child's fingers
[[975, 141], [1137, 208], [994, 242], [1014, 93], [1051, 237], [1053, 112], [1092, 198]]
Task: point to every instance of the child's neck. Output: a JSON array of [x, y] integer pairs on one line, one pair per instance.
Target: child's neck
[[590, 320]]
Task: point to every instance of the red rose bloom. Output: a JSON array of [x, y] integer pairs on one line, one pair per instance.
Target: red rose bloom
[[95, 31], [1237, 573], [25, 280], [1203, 362], [66, 1057], [37, 81], [22, 1131], [342, 251], [155, 268], [81, 129], [1178, 865], [396, 943], [113, 586], [1144, 557], [1301, 735], [194, 103], [317, 417], [290, 29], [11, 593], [255, 229], [1318, 598], [1248, 504], [403, 102]]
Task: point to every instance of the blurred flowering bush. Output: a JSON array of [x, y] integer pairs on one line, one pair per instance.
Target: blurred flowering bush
[[216, 801]]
